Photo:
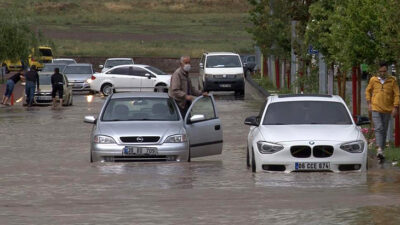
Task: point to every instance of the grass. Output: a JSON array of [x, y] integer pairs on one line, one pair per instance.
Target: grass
[[173, 27]]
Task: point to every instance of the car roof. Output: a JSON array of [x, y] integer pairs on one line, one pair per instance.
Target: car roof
[[305, 97], [119, 59], [135, 65], [64, 59], [140, 94], [80, 64], [221, 53]]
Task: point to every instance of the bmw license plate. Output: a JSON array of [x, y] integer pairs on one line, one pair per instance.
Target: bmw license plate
[[312, 166], [129, 150]]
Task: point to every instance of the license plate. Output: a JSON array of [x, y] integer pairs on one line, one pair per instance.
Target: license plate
[[129, 150], [225, 85], [312, 166], [77, 85], [44, 98]]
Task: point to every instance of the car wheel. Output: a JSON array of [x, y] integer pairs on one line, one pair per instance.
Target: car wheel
[[253, 162], [205, 87], [107, 89], [247, 157], [239, 93], [91, 158], [160, 88]]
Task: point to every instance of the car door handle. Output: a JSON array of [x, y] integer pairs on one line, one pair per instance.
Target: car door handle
[[217, 127]]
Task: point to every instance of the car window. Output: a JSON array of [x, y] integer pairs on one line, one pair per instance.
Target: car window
[[120, 70], [306, 112], [112, 63], [223, 61], [156, 70], [45, 52], [203, 106], [78, 70], [45, 79], [136, 71], [131, 109], [51, 67]]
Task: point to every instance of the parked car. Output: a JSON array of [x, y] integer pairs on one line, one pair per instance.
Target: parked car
[[64, 61], [249, 63], [306, 133], [111, 62], [78, 74], [49, 67], [45, 56], [222, 71], [133, 77], [143, 126], [11, 65], [43, 97]]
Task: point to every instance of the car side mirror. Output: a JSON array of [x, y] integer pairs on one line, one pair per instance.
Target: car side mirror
[[201, 65], [101, 66], [90, 119], [149, 76], [197, 118], [362, 120], [252, 121]]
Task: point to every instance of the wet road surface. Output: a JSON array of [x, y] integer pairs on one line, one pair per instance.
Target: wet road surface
[[46, 178]]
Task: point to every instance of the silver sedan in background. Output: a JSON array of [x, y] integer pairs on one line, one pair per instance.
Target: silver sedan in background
[[78, 74], [139, 126]]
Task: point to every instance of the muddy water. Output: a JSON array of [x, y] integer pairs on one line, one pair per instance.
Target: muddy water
[[46, 178]]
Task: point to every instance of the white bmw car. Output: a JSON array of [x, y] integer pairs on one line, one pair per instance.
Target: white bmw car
[[306, 133]]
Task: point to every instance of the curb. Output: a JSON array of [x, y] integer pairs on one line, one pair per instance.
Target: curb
[[256, 86]]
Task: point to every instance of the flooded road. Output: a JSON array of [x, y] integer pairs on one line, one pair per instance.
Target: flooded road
[[46, 178]]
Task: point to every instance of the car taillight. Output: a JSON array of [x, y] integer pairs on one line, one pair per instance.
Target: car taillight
[[93, 77]]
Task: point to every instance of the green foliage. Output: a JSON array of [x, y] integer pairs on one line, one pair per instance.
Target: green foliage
[[309, 83]]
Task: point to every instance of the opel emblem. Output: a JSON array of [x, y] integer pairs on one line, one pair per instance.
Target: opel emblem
[[139, 139], [311, 143]]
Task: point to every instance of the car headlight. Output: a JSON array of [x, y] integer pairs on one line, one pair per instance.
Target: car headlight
[[239, 75], [208, 75], [268, 147], [178, 138], [102, 139], [353, 147]]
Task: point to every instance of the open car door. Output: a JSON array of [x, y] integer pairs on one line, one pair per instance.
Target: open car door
[[203, 127]]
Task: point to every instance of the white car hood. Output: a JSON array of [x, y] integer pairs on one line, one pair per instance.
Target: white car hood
[[217, 71], [286, 133]]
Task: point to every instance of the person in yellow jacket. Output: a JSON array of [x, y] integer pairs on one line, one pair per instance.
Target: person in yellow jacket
[[382, 94]]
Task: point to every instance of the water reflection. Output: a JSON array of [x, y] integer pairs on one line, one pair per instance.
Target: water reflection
[[89, 98]]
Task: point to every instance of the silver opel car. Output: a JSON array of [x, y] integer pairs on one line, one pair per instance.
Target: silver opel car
[[136, 126]]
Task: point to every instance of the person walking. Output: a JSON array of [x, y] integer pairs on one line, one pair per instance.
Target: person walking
[[11, 82], [57, 82], [32, 79], [181, 88], [382, 95]]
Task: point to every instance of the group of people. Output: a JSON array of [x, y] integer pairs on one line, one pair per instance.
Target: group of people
[[31, 79]]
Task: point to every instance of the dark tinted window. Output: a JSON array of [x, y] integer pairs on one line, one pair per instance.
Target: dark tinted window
[[223, 61], [156, 70], [306, 112], [131, 109], [45, 52], [120, 70], [78, 70], [138, 71], [112, 63]]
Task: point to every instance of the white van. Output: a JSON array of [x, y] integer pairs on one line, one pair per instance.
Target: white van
[[222, 71]]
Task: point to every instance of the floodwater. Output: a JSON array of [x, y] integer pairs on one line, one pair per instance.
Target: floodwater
[[46, 178]]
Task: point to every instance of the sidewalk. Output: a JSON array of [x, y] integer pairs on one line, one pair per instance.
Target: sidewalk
[[19, 90]]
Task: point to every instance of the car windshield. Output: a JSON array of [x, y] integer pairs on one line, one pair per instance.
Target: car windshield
[[140, 109], [64, 61], [112, 63], [45, 52], [78, 70], [155, 70], [223, 61], [51, 67], [45, 79], [306, 112]]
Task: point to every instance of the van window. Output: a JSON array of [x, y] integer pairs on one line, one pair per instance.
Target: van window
[[45, 52], [223, 61]]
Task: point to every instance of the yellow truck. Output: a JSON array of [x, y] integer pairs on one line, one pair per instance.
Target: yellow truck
[[45, 56]]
